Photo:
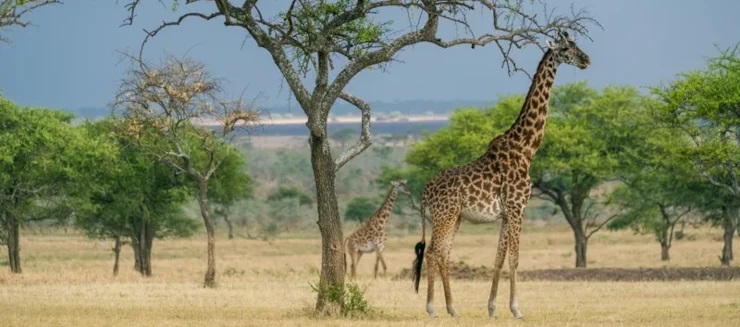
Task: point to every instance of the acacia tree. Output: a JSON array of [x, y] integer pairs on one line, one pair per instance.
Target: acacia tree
[[162, 104], [590, 135], [44, 165], [659, 188], [704, 106], [653, 202], [12, 12], [352, 36]]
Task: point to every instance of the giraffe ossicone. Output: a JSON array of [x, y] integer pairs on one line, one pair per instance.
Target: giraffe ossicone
[[495, 186], [371, 237]]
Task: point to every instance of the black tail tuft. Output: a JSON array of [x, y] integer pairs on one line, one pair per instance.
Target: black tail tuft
[[419, 249]]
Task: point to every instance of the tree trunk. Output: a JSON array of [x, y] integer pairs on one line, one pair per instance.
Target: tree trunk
[[664, 251], [229, 225], [332, 249], [147, 250], [664, 239], [729, 228], [137, 254], [581, 247], [572, 213], [210, 277], [142, 241], [116, 254], [14, 248]]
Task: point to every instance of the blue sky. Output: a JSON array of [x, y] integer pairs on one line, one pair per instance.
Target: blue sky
[[69, 58]]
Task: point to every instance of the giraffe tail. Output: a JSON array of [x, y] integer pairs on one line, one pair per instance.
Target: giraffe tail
[[419, 249]]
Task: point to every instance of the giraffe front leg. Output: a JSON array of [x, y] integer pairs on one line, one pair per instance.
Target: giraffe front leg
[[379, 260], [514, 234], [382, 262], [445, 275], [355, 262], [499, 263]]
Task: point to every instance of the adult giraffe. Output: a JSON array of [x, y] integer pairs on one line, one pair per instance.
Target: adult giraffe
[[496, 185]]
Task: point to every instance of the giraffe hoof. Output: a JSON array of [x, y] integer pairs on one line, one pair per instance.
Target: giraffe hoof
[[431, 311], [452, 312], [491, 311]]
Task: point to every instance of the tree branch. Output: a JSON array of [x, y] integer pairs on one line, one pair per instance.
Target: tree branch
[[364, 139], [606, 221], [12, 12]]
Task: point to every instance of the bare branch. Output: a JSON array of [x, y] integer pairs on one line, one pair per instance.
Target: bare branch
[[364, 140], [13, 11], [602, 224], [545, 194], [167, 24], [164, 103]]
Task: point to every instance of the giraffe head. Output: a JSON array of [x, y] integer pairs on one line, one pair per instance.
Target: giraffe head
[[400, 185], [565, 51]]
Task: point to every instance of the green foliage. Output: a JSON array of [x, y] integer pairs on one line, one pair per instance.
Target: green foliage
[[46, 165], [350, 297], [230, 182], [311, 23], [131, 187], [703, 106], [360, 208], [291, 192], [659, 187]]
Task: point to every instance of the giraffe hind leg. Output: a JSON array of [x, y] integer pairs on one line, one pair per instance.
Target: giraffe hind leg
[[431, 272], [353, 259], [439, 255], [377, 262]]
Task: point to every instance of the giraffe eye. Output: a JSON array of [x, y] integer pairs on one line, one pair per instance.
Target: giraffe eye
[[566, 48]]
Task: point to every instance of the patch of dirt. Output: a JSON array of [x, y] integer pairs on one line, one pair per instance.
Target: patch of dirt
[[461, 270]]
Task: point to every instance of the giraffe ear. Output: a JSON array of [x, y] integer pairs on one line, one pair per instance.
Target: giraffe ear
[[550, 44], [394, 183]]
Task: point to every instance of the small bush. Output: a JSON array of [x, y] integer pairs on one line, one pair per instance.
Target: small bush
[[350, 297]]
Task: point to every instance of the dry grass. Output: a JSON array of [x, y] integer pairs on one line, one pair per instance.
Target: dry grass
[[67, 282]]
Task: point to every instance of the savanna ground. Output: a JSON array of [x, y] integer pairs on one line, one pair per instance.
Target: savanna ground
[[67, 282]]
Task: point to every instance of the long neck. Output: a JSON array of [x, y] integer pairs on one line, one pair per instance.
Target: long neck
[[529, 127], [382, 214]]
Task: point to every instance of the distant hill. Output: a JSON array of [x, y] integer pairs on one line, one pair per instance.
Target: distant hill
[[409, 107]]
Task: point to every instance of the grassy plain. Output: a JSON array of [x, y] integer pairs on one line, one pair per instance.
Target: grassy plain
[[67, 282]]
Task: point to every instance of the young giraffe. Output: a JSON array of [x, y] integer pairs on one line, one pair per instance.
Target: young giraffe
[[496, 185], [371, 237]]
